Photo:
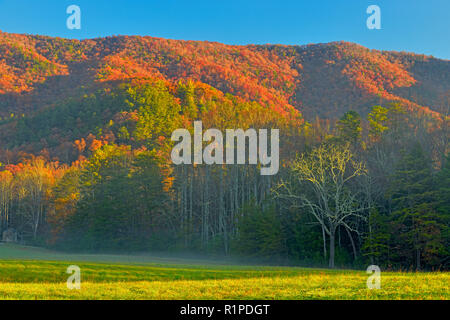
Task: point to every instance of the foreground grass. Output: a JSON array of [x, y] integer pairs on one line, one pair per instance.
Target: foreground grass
[[32, 279]]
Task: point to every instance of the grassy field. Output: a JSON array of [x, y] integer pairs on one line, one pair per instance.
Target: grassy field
[[30, 273]]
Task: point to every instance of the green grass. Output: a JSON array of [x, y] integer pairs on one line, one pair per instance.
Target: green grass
[[30, 273]]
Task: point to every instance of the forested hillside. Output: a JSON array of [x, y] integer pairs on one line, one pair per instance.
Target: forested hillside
[[39, 74], [364, 167]]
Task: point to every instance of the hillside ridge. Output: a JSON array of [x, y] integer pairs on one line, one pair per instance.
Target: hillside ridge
[[40, 73]]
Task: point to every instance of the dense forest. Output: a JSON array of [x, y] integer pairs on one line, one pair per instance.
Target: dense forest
[[364, 156]]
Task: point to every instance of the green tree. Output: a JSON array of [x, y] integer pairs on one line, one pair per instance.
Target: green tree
[[100, 218], [158, 112], [377, 121], [417, 226], [376, 242], [186, 91], [260, 233], [349, 128], [443, 208]]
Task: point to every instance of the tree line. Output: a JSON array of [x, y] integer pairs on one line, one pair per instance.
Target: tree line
[[349, 192]]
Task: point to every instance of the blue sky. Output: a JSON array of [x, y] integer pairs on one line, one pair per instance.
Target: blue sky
[[421, 26]]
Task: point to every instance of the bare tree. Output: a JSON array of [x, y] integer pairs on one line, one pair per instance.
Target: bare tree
[[6, 198], [327, 173]]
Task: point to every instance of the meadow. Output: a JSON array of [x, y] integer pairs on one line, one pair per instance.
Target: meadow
[[31, 273]]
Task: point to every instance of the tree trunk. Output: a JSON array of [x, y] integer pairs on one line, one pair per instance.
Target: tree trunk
[[352, 242], [324, 243], [332, 240], [418, 259]]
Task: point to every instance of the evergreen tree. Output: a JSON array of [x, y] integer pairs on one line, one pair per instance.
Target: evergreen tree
[[416, 225], [443, 208], [349, 128], [376, 243], [259, 233]]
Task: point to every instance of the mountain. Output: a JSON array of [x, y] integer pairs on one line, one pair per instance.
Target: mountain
[[39, 74]]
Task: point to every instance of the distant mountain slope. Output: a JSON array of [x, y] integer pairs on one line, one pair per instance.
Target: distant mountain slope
[[38, 73], [312, 77]]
